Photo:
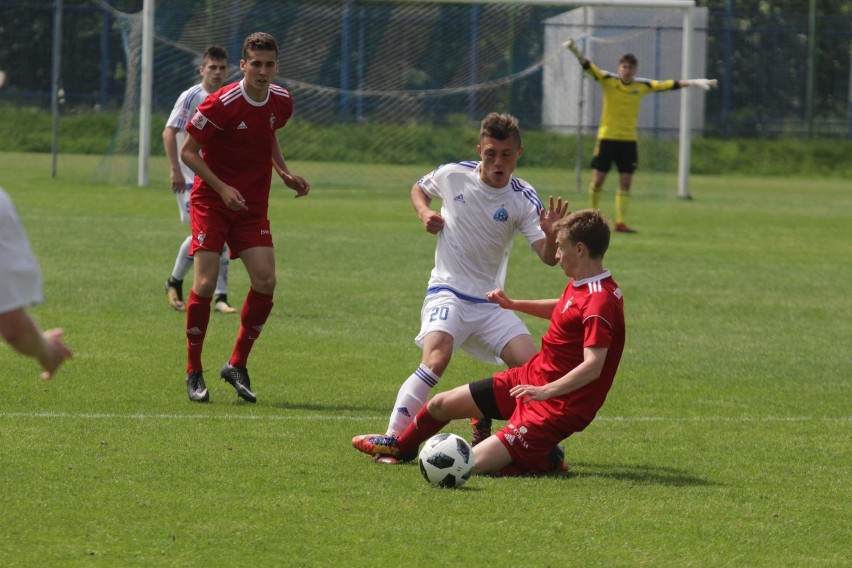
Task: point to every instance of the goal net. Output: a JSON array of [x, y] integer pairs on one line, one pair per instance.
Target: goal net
[[387, 77], [572, 101]]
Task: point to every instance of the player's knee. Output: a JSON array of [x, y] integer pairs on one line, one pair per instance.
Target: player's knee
[[264, 284], [204, 287], [518, 351], [437, 406]]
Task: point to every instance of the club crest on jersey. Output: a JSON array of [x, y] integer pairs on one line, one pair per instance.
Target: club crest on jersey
[[272, 121], [199, 121], [501, 215]]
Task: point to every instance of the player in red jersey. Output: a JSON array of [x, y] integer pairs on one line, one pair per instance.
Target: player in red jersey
[[234, 131], [559, 390]]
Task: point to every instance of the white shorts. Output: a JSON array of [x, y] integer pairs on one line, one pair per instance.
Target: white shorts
[[481, 329], [183, 203], [20, 277]]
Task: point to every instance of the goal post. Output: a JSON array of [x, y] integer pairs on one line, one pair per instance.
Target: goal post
[[605, 31], [685, 152], [146, 91]]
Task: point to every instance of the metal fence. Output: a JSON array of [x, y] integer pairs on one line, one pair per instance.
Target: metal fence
[[774, 81]]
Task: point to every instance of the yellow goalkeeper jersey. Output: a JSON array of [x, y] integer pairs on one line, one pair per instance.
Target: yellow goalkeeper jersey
[[621, 102]]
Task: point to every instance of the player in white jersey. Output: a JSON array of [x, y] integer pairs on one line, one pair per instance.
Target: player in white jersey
[[213, 71], [20, 287], [483, 208]]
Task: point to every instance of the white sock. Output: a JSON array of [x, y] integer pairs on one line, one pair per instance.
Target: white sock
[[411, 397], [183, 262], [222, 282]]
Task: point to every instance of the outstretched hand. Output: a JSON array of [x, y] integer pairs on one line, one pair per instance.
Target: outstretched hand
[[571, 45], [705, 84], [500, 298], [555, 211]]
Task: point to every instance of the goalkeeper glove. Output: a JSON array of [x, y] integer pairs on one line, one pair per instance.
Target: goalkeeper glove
[[572, 46], [705, 84]]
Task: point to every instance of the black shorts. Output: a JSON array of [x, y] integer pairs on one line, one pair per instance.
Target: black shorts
[[622, 152], [482, 392]]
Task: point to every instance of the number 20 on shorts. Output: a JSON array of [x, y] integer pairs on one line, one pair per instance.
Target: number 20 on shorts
[[439, 313]]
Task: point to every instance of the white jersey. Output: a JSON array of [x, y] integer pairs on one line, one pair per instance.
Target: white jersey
[[20, 277], [182, 112], [480, 224]]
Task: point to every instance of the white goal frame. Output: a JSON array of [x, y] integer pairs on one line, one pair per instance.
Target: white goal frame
[[685, 127]]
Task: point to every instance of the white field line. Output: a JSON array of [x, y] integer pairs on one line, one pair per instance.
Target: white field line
[[342, 418]]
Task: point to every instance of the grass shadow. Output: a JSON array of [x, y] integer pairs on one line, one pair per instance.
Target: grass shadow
[[639, 474]]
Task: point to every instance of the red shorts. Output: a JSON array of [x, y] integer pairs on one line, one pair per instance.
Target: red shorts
[[212, 227], [534, 427]]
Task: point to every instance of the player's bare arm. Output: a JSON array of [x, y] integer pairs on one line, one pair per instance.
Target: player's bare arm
[[297, 183], [578, 377], [190, 155], [539, 308], [170, 144], [432, 220], [21, 331]]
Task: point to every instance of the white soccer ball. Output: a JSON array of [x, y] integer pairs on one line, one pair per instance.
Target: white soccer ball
[[446, 460]]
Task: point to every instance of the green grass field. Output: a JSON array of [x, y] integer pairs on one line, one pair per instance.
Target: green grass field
[[724, 442]]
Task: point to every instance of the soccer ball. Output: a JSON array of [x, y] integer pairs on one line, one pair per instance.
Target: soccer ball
[[446, 460]]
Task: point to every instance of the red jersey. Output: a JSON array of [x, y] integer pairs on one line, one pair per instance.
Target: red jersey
[[237, 135], [590, 313]]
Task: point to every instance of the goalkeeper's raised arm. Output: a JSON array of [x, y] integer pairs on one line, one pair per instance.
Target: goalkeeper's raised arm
[[571, 46], [705, 84], [616, 139]]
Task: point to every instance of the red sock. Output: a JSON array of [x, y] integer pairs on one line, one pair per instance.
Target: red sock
[[255, 311], [197, 318], [423, 427]]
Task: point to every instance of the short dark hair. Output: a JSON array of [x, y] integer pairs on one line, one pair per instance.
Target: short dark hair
[[587, 226], [629, 58], [500, 127], [259, 41], [215, 52]]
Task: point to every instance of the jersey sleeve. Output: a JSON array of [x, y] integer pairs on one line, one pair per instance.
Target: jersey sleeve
[[180, 113], [598, 320], [284, 101], [430, 183], [208, 121], [595, 72], [530, 226], [666, 85]]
